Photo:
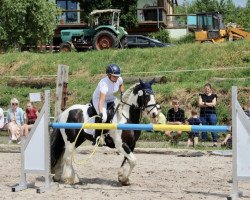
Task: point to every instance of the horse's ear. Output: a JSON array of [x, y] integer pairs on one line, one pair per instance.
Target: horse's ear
[[141, 82], [152, 81]]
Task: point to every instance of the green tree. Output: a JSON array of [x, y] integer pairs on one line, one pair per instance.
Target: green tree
[[27, 22], [229, 11], [128, 8]]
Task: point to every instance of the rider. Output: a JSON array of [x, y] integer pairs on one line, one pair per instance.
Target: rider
[[104, 93]]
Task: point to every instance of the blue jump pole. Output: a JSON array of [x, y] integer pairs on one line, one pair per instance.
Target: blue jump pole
[[147, 127]]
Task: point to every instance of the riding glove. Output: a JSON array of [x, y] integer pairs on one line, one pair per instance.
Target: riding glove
[[100, 116], [121, 96]]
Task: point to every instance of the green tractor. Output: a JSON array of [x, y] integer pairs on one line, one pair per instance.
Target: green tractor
[[104, 32]]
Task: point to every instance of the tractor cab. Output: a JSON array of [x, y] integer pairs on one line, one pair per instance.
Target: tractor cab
[[210, 27], [105, 17]]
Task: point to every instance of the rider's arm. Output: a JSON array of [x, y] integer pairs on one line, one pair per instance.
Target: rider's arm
[[101, 101], [121, 87]]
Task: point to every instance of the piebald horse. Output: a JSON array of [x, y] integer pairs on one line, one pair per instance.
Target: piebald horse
[[137, 100]]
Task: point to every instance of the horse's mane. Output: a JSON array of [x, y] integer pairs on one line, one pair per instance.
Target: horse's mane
[[126, 96]]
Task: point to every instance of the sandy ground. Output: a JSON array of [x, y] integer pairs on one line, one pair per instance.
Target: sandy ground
[[156, 176]]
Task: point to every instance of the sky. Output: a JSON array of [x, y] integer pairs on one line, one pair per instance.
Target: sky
[[241, 3]]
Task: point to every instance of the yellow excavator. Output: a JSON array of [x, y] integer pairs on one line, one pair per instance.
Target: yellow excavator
[[211, 29]]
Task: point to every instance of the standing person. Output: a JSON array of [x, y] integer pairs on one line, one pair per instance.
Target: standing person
[[193, 120], [103, 96], [31, 115], [207, 103], [15, 119], [1, 118], [175, 116]]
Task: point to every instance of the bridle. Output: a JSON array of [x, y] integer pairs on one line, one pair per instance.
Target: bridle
[[144, 98]]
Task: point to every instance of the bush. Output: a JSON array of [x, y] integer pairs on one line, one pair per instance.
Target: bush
[[189, 38], [162, 35]]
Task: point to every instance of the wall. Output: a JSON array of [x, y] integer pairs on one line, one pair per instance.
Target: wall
[[177, 33]]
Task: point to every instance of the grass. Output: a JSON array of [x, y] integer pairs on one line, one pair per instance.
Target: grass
[[187, 68]]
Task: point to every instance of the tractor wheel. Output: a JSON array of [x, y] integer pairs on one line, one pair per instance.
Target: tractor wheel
[[123, 43], [65, 47], [104, 39]]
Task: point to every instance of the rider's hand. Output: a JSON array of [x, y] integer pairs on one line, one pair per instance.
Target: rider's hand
[[100, 116]]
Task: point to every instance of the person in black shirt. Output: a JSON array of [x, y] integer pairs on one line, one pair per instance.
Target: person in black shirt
[[175, 116], [193, 120], [208, 116]]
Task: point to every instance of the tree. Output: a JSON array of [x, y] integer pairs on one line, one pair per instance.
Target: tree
[[229, 12], [27, 22], [128, 8]]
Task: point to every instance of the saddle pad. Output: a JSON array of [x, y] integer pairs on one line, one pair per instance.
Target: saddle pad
[[87, 119]]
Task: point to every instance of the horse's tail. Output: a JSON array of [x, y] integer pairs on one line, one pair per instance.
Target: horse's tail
[[57, 146]]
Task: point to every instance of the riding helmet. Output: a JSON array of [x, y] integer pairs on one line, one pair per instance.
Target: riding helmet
[[113, 69]]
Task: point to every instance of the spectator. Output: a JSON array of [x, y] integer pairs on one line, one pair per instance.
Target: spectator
[[1, 118], [31, 115], [15, 120], [227, 142], [175, 116], [207, 103], [193, 120]]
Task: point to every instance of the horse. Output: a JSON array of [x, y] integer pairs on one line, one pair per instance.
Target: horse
[[137, 100]]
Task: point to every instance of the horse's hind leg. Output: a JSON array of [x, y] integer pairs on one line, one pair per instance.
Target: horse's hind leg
[[125, 170]]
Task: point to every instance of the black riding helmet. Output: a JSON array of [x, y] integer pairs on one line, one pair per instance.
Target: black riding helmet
[[113, 69]]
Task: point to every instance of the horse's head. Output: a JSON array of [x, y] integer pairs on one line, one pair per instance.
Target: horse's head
[[146, 99]]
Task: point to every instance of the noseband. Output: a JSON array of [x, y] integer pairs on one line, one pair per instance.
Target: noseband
[[145, 99]]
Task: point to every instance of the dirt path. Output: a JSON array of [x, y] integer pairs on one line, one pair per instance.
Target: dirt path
[[156, 176]]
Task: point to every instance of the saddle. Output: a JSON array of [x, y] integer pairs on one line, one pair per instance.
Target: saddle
[[110, 112]]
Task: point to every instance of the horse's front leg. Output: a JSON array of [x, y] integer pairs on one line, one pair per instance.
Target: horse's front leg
[[68, 173], [125, 170]]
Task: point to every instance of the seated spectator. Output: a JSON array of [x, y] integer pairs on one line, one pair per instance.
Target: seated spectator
[[175, 116], [15, 120], [193, 120], [225, 141], [1, 118], [31, 115]]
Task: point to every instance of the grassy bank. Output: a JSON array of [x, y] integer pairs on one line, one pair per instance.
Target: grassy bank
[[186, 67]]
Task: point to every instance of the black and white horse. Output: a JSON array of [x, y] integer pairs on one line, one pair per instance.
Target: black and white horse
[[137, 100]]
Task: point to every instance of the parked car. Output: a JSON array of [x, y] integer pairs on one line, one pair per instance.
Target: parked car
[[140, 41]]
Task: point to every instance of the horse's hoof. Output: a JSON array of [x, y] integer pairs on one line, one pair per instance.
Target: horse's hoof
[[55, 179], [76, 180], [125, 183]]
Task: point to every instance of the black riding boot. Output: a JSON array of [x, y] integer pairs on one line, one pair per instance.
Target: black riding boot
[[97, 132]]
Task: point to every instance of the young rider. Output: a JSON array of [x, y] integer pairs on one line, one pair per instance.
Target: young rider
[[104, 92]]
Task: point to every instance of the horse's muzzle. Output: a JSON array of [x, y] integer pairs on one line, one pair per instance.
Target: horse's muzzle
[[154, 115]]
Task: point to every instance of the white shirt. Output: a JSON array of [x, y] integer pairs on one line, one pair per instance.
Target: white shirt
[[107, 87], [1, 118]]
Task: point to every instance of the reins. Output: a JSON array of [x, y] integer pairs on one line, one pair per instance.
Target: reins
[[98, 139]]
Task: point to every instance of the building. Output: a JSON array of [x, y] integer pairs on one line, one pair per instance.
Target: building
[[151, 15]]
